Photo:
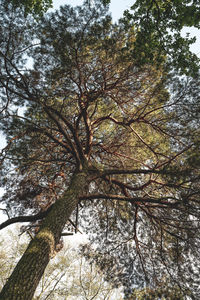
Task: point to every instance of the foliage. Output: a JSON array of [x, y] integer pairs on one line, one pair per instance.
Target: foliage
[[159, 293], [158, 26], [34, 7]]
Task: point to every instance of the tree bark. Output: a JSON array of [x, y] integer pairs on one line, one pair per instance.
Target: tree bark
[[25, 278]]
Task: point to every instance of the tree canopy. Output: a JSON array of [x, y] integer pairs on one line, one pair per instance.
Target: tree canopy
[[95, 137]]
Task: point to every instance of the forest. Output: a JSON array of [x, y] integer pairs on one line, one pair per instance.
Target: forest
[[101, 121]]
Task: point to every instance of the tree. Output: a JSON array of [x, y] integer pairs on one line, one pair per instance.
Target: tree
[[98, 135]]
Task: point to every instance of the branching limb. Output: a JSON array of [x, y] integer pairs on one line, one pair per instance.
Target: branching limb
[[21, 219], [165, 201], [141, 171]]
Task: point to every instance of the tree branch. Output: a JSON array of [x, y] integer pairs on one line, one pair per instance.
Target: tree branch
[[141, 171], [33, 218], [161, 200]]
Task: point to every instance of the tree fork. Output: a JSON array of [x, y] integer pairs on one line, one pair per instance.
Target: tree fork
[[26, 276]]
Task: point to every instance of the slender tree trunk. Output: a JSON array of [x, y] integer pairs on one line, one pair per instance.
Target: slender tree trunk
[[25, 278]]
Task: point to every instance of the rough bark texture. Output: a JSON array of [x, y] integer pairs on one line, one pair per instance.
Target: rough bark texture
[[27, 274]]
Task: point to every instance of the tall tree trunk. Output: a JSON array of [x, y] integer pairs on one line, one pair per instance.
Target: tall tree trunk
[[25, 278]]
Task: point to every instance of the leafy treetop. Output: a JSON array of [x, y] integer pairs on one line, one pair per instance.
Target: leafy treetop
[[158, 26]]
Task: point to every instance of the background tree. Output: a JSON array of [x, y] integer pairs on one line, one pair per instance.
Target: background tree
[[86, 280], [96, 136]]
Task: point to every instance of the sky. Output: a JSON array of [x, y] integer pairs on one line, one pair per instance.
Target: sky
[[117, 8]]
